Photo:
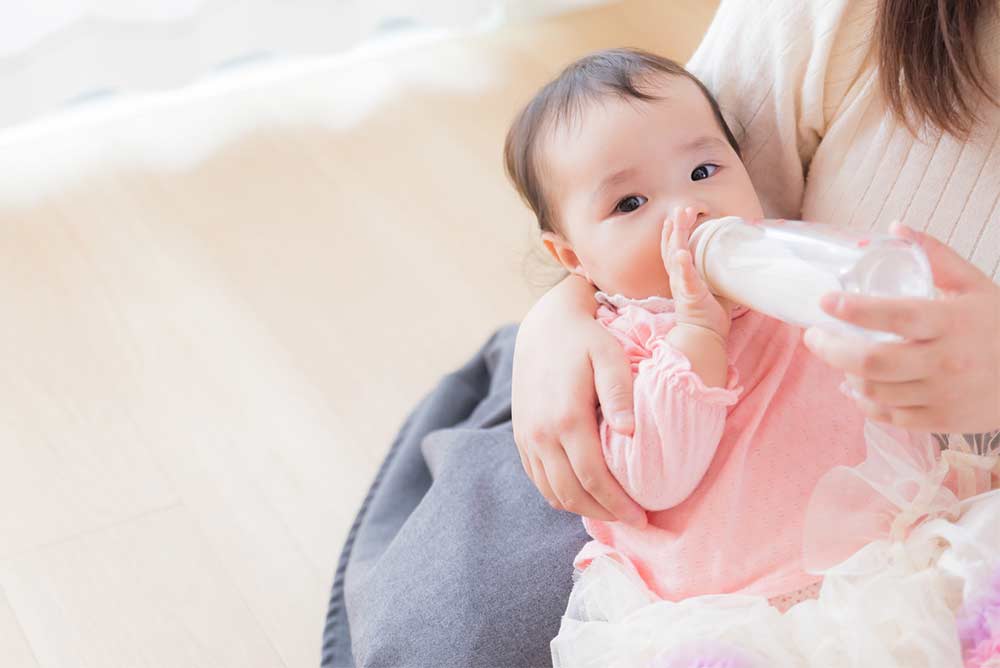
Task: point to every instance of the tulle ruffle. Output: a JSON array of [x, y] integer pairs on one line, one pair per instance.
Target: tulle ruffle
[[904, 480]]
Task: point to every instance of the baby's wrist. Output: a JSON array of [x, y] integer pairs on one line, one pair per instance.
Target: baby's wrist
[[704, 348], [702, 330]]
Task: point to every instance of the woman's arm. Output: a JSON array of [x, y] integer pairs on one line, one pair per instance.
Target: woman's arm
[[564, 363]]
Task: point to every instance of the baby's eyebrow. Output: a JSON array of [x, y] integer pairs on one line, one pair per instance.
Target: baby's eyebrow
[[612, 179], [700, 143]]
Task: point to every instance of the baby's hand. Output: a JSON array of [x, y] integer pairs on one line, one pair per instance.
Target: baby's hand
[[695, 305]]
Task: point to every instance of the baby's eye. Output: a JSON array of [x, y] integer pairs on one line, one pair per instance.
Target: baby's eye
[[630, 203], [704, 171]]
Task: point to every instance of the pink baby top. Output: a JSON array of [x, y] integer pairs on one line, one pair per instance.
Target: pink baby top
[[726, 472]]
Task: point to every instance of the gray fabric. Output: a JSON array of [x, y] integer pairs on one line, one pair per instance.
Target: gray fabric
[[454, 558]]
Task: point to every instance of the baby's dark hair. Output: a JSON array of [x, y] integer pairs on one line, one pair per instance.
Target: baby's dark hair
[[619, 72]]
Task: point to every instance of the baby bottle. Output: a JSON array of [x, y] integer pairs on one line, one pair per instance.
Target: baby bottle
[[783, 267]]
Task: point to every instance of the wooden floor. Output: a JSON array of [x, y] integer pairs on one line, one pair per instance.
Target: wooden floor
[[202, 365]]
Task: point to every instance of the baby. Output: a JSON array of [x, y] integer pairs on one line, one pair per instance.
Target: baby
[[739, 429]]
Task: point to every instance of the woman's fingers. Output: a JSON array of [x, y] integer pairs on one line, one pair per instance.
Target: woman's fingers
[[541, 480], [591, 472], [914, 319], [567, 489], [524, 460], [873, 410], [910, 394], [885, 362], [920, 418], [568, 467], [573, 476], [951, 271], [613, 383]]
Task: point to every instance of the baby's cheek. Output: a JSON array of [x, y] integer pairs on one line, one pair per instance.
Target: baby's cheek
[[647, 276]]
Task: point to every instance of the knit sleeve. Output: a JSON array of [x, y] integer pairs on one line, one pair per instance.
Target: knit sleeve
[[779, 69], [679, 422]]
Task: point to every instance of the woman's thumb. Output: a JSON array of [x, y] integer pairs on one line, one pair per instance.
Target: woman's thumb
[[951, 270], [613, 382]]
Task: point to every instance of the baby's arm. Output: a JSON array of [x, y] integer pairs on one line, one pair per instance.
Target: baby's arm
[[679, 422], [681, 392]]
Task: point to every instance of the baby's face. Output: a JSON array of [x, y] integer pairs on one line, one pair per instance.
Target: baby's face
[[614, 176]]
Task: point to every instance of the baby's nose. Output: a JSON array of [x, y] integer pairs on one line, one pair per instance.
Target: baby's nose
[[701, 212]]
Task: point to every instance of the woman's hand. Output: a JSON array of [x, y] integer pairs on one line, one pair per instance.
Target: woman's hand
[[945, 377], [561, 353]]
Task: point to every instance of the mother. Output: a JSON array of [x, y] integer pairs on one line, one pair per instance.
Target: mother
[[889, 106]]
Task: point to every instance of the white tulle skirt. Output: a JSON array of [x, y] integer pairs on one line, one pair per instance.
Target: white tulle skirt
[[930, 599]]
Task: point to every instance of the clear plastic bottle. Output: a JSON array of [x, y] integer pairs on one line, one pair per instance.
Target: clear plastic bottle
[[783, 267]]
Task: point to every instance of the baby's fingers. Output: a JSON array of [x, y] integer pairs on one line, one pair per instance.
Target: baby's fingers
[[691, 284], [665, 243], [674, 232], [685, 220]]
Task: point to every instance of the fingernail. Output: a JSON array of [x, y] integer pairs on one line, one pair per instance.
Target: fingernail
[[811, 337], [904, 231], [831, 302]]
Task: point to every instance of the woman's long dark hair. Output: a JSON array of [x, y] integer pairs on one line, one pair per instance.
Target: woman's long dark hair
[[931, 67]]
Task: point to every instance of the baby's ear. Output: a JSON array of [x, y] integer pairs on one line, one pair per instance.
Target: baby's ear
[[560, 249]]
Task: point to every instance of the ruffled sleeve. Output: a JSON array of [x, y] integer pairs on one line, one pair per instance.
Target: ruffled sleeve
[[678, 423]]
